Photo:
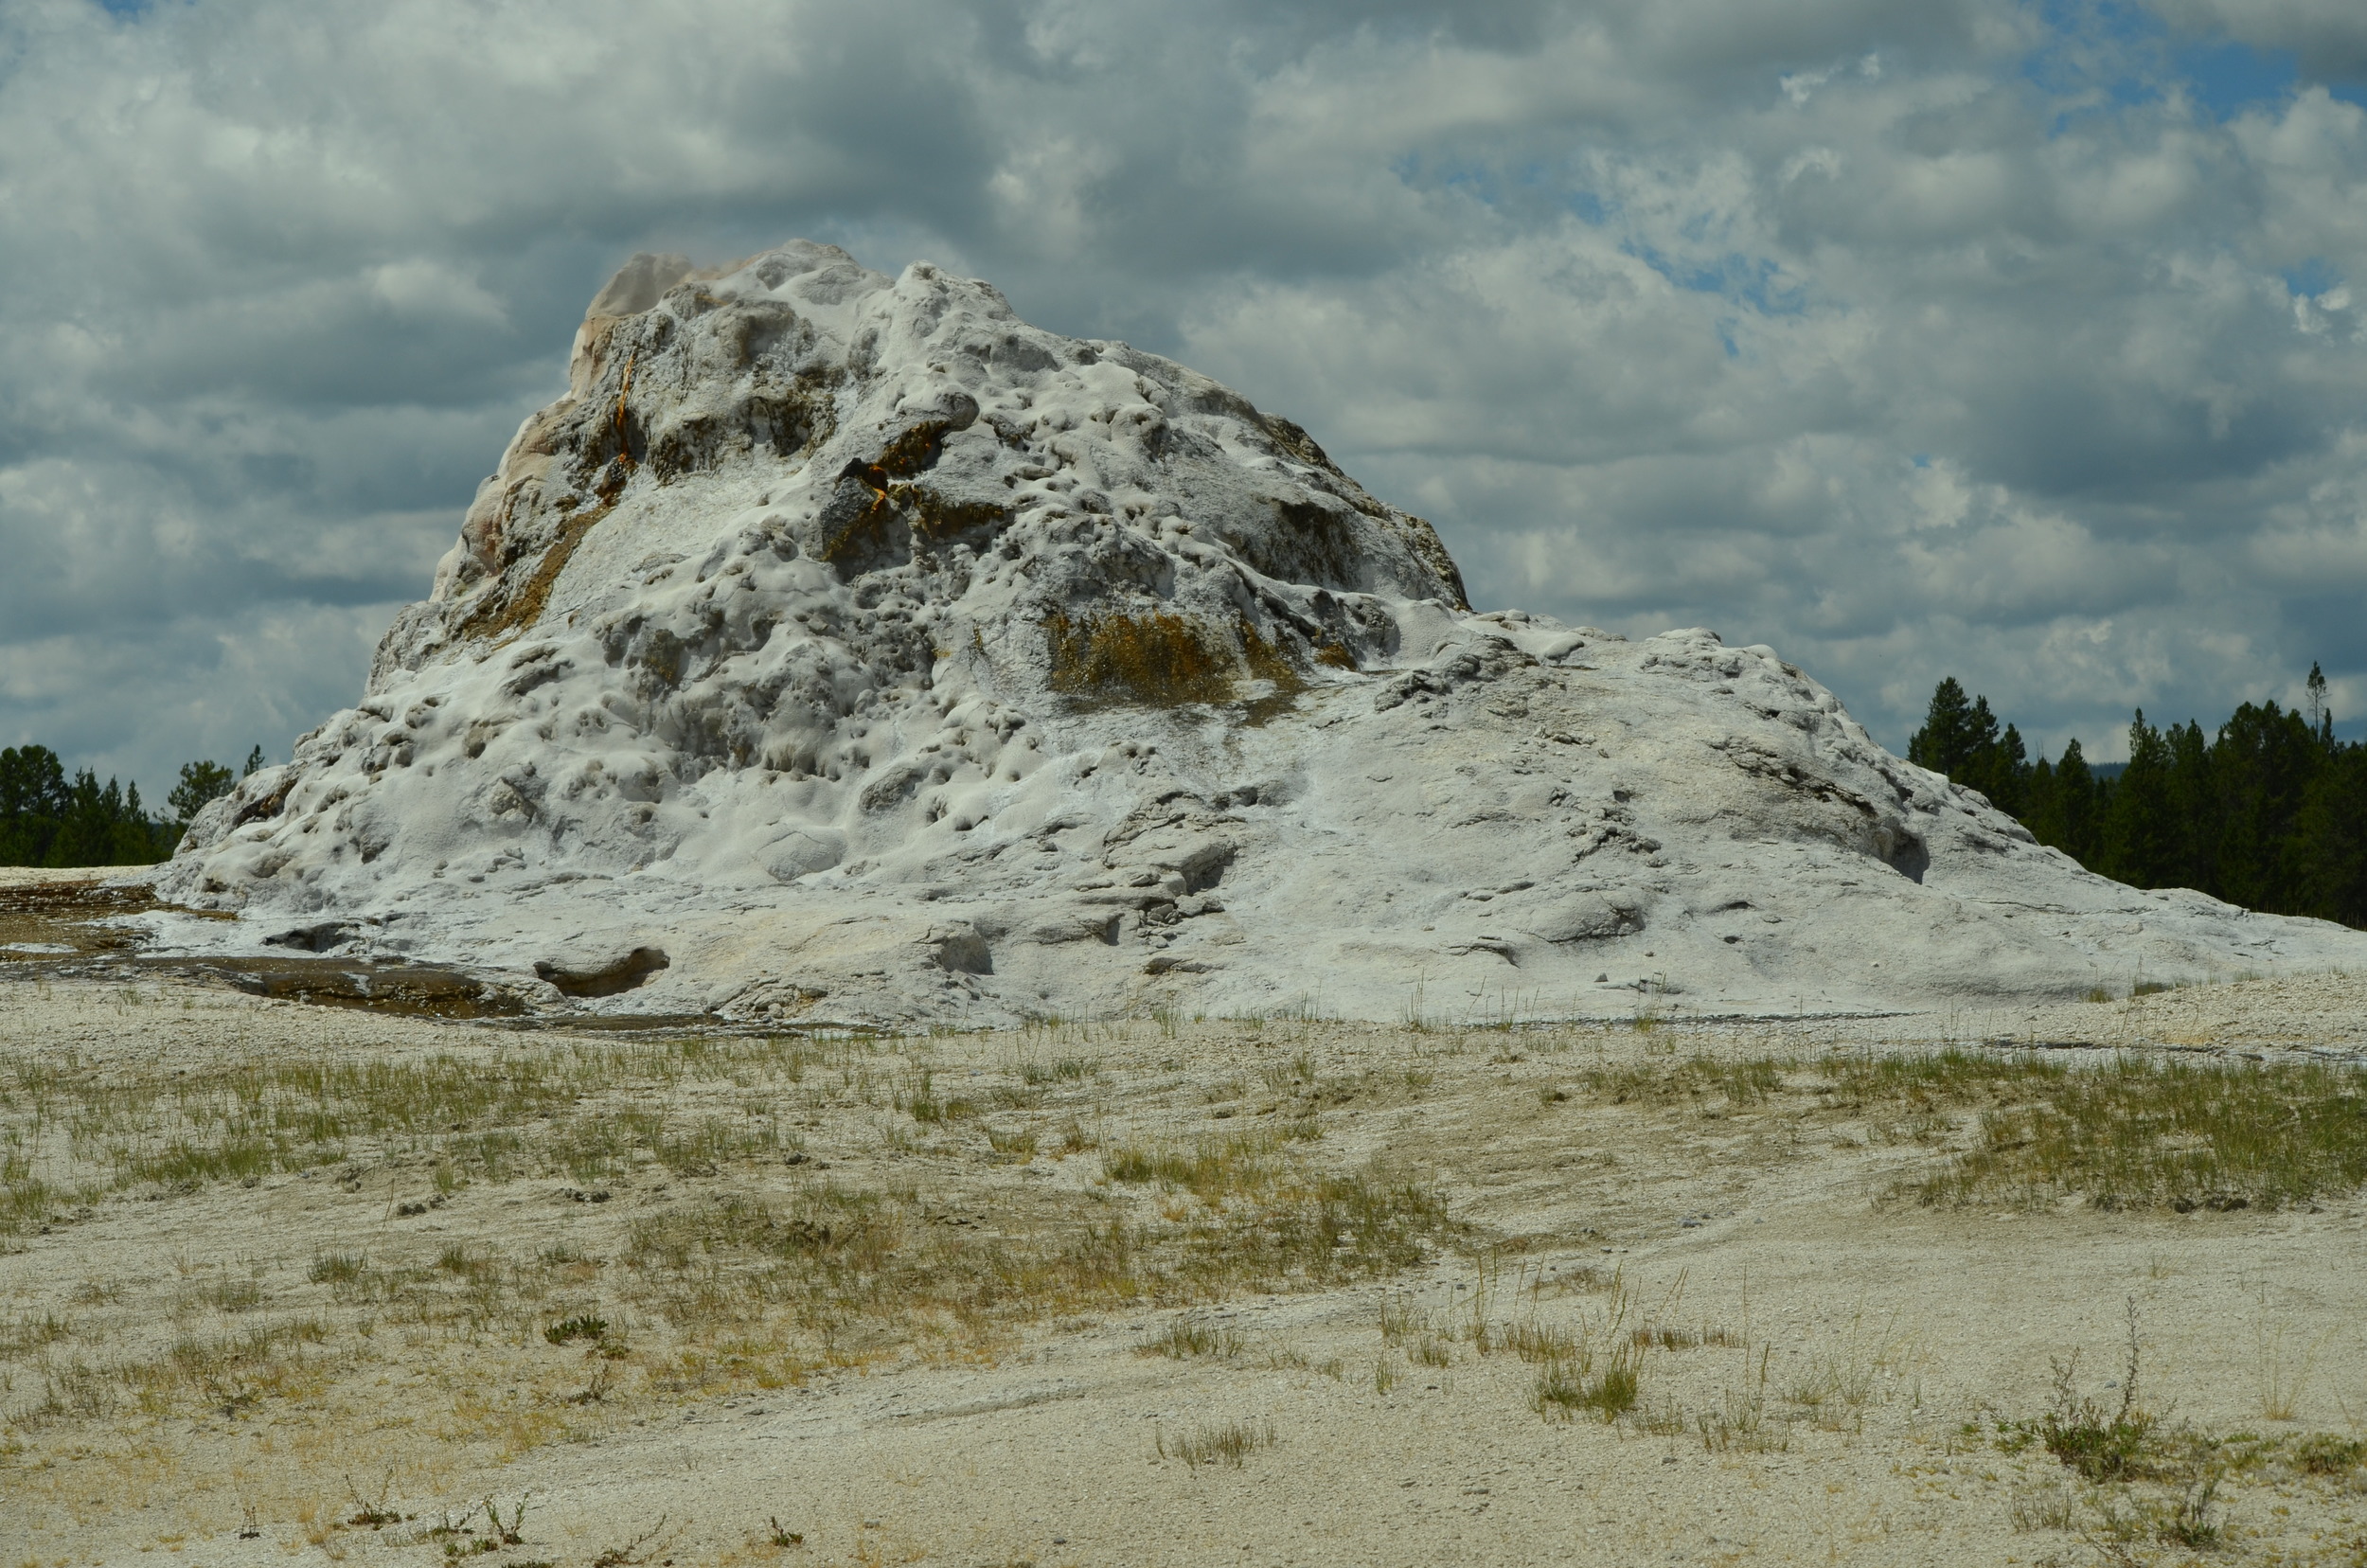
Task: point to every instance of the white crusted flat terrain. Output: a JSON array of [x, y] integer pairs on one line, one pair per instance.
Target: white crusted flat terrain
[[842, 647]]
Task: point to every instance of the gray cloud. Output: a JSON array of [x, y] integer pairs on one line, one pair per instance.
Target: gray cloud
[[2328, 37], [1909, 338]]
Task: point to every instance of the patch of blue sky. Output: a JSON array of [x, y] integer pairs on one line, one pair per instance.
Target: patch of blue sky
[[2108, 56], [1592, 208], [1502, 183], [1478, 183], [2311, 277], [2091, 49], [2102, 58], [121, 7], [1475, 179], [1755, 281], [2228, 78]]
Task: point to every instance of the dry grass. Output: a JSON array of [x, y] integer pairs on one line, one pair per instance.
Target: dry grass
[[621, 1225], [73, 1130], [1190, 1336], [1564, 1389], [1227, 1443], [1156, 659], [2026, 1131], [772, 1274], [2148, 1481], [2140, 1132]]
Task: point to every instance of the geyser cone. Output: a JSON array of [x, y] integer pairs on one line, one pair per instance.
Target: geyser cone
[[842, 646]]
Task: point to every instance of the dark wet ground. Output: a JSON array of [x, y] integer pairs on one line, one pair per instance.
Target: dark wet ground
[[54, 929], [61, 914]]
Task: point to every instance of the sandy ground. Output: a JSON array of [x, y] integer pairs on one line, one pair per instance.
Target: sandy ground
[[1860, 1349]]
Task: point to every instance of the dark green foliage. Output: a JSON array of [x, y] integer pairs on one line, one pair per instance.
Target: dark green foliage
[[200, 783], [582, 1326], [2270, 814], [32, 799], [2067, 805], [2332, 828], [1961, 739], [2142, 842], [45, 820]]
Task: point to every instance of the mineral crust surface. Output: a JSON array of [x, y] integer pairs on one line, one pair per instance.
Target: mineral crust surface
[[842, 647]]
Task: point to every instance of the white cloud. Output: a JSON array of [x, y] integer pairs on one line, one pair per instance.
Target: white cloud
[[1911, 338]]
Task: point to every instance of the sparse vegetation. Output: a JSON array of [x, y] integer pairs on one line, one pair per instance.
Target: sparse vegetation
[[1016, 1143], [1740, 1424], [2122, 1443], [2131, 1132], [1228, 1443], [583, 1325], [815, 1274], [1191, 1335], [1534, 1342], [623, 1224], [1564, 1389], [2143, 1134], [71, 1130]]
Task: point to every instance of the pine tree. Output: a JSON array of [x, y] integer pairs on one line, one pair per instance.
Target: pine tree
[[2064, 801], [1961, 739], [200, 783], [33, 803], [45, 820], [1946, 740], [2190, 824], [2331, 839], [2000, 769], [2269, 814], [2262, 766], [2137, 839], [2084, 798]]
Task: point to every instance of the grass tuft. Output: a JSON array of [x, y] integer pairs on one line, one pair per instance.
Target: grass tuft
[[1191, 1336], [1563, 1388], [1230, 1443], [583, 1325]]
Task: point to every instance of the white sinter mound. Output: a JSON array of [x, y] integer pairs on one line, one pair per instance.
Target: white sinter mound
[[842, 647]]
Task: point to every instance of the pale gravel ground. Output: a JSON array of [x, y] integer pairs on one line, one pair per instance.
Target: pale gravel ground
[[36, 876], [1048, 1455]]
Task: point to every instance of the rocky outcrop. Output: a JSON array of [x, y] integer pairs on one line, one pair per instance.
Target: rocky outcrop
[[844, 646]]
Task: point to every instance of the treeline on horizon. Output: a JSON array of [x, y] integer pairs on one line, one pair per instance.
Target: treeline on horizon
[[48, 819], [2270, 812]]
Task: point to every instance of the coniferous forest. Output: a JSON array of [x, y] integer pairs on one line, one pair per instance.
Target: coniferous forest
[[47, 819], [2269, 814]]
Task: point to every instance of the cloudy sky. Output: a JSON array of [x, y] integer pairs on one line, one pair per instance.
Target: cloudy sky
[[2017, 341]]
